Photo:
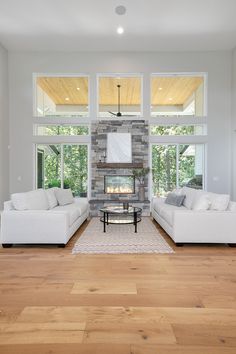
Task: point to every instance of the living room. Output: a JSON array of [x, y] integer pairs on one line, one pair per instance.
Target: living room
[[180, 300]]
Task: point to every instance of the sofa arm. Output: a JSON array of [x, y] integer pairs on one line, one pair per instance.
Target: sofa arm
[[34, 226], [208, 226]]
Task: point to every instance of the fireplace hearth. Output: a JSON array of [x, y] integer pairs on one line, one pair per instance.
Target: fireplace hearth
[[119, 184]]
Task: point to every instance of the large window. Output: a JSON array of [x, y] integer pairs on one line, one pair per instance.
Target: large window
[[178, 95], [177, 165], [119, 96], [61, 96], [63, 165]]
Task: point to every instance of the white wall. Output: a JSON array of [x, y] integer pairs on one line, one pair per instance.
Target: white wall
[[4, 167], [234, 125], [217, 64]]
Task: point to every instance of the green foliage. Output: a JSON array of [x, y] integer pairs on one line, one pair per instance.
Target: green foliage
[[75, 158], [172, 130], [51, 130], [140, 173]]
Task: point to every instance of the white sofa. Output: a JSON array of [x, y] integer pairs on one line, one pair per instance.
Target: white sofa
[[196, 222], [42, 221]]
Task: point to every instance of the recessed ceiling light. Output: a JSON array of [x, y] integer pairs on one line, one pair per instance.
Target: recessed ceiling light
[[159, 88], [120, 30], [120, 10], [170, 98], [78, 88], [67, 98]]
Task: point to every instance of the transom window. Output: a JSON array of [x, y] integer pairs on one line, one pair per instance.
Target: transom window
[[177, 95], [119, 96], [61, 96]]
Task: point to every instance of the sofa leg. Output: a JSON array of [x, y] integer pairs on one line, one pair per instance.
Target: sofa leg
[[61, 245], [179, 244], [232, 244], [7, 245]]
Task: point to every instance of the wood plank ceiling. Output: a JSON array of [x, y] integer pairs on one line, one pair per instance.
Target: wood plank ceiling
[[74, 90]]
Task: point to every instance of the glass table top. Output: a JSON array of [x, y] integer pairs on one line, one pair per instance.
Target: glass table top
[[120, 210]]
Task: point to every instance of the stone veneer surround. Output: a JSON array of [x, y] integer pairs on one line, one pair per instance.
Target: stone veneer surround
[[139, 130]]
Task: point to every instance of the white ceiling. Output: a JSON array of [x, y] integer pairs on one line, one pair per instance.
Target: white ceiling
[[90, 25]]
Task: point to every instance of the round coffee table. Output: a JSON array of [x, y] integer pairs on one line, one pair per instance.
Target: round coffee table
[[119, 215]]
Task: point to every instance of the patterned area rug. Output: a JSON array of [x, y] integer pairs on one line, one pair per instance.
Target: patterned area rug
[[121, 239]]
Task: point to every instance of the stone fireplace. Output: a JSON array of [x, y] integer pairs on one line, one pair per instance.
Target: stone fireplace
[[117, 173], [115, 184]]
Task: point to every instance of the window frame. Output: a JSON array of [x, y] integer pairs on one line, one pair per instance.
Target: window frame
[[181, 74], [56, 118], [204, 178], [35, 174], [127, 75]]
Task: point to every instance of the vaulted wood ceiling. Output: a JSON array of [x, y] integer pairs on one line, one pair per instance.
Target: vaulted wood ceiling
[[74, 90]]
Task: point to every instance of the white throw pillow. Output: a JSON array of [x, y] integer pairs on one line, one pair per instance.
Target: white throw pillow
[[52, 200], [202, 202], [37, 200], [219, 202], [19, 201], [64, 196], [190, 195]]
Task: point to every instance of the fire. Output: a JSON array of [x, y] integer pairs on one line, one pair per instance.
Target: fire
[[119, 189]]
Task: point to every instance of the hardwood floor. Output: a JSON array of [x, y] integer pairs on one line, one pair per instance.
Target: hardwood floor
[[54, 302]]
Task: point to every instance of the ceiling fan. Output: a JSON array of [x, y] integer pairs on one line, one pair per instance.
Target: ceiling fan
[[119, 114]]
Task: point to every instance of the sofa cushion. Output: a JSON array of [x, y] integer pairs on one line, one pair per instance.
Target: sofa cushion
[[157, 204], [201, 202], [52, 200], [33, 200], [219, 202], [64, 196], [175, 199], [232, 206], [190, 195], [72, 209], [82, 204], [167, 212]]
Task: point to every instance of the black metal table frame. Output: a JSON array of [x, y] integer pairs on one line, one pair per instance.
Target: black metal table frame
[[105, 218]]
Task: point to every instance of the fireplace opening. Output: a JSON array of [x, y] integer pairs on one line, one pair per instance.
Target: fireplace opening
[[119, 184]]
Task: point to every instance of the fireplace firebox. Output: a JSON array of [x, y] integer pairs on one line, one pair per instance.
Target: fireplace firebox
[[114, 184]]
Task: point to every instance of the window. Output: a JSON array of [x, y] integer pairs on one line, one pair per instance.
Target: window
[[177, 95], [177, 165], [61, 96], [63, 165], [119, 96], [62, 130], [178, 130]]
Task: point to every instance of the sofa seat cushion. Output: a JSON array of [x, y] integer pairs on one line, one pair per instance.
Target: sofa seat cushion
[[166, 211], [71, 209], [82, 204]]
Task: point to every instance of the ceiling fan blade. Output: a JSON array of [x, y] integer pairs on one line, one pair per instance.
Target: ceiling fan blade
[[114, 114]]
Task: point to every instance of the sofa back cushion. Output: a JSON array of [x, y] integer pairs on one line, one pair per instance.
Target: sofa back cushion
[[190, 195], [52, 200], [64, 196], [33, 200], [201, 202], [232, 206]]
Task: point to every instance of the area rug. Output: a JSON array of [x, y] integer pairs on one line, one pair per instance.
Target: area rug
[[121, 239]]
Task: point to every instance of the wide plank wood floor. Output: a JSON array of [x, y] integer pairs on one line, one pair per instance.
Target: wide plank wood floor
[[54, 302]]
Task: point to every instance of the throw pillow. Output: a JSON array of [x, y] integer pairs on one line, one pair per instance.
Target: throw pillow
[[174, 199], [52, 200], [219, 201], [201, 203], [64, 196]]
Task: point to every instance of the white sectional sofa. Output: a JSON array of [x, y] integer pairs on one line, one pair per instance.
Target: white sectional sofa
[[36, 217], [203, 218]]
